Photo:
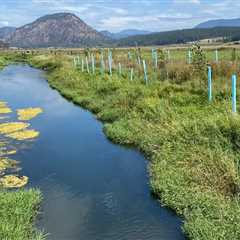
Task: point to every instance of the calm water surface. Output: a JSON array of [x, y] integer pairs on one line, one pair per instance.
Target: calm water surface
[[93, 189]]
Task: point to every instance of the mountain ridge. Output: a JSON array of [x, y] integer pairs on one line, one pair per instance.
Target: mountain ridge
[[181, 36], [6, 31], [125, 33], [57, 30], [235, 22]]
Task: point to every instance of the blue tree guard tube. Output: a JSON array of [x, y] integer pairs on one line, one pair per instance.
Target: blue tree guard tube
[[131, 74], [234, 94], [87, 65], [168, 54], [129, 56], [110, 63], [74, 61], [139, 60], [145, 72], [102, 64], [189, 57], [153, 55], [216, 55], [120, 69], [82, 65], [156, 59], [209, 84], [93, 64]]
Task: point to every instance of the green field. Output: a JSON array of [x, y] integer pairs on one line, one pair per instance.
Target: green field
[[193, 145]]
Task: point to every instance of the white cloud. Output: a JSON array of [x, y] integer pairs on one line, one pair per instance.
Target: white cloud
[[195, 1], [4, 23], [121, 22], [187, 1], [116, 10], [113, 15], [78, 9], [63, 5], [156, 22]]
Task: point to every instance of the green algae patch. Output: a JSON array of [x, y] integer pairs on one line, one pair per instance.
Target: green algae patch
[[13, 181], [6, 163], [4, 108], [23, 135], [3, 117], [6, 128], [17, 131], [28, 113], [3, 164], [7, 152]]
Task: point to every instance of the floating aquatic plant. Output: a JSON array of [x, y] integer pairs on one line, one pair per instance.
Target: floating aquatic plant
[[4, 108], [13, 181], [6, 128], [28, 113], [17, 131], [6, 163], [3, 117], [7, 152], [23, 135]]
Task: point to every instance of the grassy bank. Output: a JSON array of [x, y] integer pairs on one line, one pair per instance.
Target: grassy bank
[[19, 208], [17, 212], [3, 62], [193, 146]]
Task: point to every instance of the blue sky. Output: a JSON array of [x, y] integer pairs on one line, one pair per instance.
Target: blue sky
[[115, 15]]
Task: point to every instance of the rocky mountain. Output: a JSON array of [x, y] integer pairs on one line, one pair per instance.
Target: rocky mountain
[[6, 31], [125, 33], [57, 30], [220, 23]]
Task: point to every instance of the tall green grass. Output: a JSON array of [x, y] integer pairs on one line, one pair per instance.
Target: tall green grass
[[18, 209], [193, 146]]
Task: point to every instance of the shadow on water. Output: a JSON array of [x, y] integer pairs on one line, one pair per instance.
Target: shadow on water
[[92, 188]]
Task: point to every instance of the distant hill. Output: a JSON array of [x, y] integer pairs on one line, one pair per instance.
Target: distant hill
[[125, 33], [181, 36], [57, 30], [220, 23], [107, 34], [3, 44], [6, 31]]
